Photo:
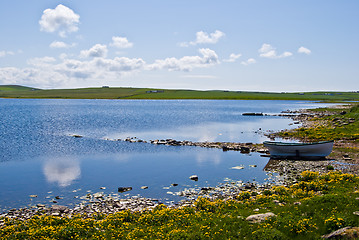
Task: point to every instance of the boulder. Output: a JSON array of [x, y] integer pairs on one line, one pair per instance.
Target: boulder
[[343, 233], [59, 208], [258, 218]]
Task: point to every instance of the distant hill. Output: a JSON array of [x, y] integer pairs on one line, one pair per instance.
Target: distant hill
[[15, 91], [15, 88]]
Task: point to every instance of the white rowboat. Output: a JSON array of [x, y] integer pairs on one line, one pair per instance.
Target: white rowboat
[[299, 150]]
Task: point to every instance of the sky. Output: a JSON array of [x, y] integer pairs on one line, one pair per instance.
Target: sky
[[239, 45]]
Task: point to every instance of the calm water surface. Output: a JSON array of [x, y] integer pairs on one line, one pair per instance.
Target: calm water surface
[[39, 156]]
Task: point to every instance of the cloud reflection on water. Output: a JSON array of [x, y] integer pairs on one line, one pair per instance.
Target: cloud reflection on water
[[62, 171]]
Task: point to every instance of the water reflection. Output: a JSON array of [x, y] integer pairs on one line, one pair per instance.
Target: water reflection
[[213, 158], [62, 171], [249, 130]]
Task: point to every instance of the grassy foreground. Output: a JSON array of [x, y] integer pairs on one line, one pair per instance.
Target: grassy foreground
[[13, 91], [316, 205]]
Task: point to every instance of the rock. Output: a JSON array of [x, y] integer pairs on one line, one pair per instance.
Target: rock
[[76, 136], [40, 205], [124, 189], [252, 114], [194, 177], [144, 187], [245, 150], [174, 184], [253, 165], [356, 213], [343, 233], [249, 186], [258, 218], [59, 208], [98, 195], [58, 197], [237, 167], [33, 196]]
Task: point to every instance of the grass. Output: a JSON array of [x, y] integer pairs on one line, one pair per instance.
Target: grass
[[316, 205], [341, 125], [8, 91]]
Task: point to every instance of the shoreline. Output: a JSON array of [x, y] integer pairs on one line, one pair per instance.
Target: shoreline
[[288, 173]]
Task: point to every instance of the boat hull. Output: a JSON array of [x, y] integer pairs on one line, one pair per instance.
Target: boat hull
[[299, 150]]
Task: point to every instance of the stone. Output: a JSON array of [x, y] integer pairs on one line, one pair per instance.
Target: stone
[[59, 208], [144, 187], [194, 177], [98, 195], [258, 218], [237, 167], [343, 233], [124, 189], [77, 136], [245, 150], [174, 184], [33, 196]]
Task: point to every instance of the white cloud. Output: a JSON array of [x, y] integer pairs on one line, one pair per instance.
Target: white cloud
[[40, 62], [34, 77], [59, 44], [304, 50], [6, 53], [200, 76], [98, 50], [121, 42], [187, 63], [61, 19], [233, 57], [248, 61], [122, 64], [267, 51], [203, 38]]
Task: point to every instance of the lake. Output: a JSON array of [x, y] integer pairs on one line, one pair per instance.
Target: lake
[[39, 155]]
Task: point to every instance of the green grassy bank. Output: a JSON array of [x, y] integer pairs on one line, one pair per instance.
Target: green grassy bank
[[340, 124], [12, 91], [316, 205]]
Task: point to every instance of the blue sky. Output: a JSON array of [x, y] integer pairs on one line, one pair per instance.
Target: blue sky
[[275, 45]]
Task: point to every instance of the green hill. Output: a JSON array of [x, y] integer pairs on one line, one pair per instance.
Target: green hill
[[14, 88], [14, 91]]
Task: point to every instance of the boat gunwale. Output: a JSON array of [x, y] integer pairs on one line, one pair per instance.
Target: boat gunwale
[[295, 144]]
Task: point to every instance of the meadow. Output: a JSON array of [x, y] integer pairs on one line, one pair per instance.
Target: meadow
[[13, 91]]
